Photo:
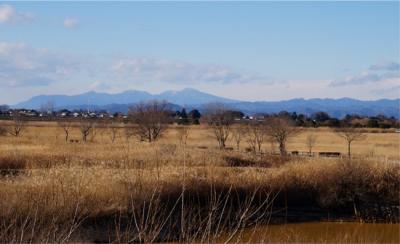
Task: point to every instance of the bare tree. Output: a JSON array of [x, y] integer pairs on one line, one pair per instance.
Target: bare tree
[[86, 128], [238, 133], [66, 127], [350, 135], [280, 129], [311, 140], [113, 129], [220, 119], [183, 134], [18, 125], [151, 120], [256, 135]]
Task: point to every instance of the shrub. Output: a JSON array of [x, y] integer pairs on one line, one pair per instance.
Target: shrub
[[3, 131], [11, 165], [265, 161], [236, 161]]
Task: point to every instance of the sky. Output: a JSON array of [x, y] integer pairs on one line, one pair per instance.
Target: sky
[[243, 50]]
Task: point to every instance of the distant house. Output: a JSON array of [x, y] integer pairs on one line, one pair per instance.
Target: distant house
[[27, 112], [30, 113], [64, 113], [103, 115]]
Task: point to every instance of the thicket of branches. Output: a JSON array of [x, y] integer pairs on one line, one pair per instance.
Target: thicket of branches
[[150, 120], [220, 119], [280, 130], [18, 125], [350, 135], [86, 128]]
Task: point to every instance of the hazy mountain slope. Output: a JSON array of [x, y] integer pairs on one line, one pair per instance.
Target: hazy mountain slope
[[113, 108], [184, 97], [92, 98], [190, 96], [335, 107]]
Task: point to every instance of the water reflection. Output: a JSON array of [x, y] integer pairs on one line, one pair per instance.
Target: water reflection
[[331, 232]]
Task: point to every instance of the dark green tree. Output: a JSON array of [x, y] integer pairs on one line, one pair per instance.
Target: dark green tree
[[194, 116], [183, 117]]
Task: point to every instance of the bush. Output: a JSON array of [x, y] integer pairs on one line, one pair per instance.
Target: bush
[[11, 165], [384, 126], [236, 161], [3, 131], [265, 161], [373, 123]]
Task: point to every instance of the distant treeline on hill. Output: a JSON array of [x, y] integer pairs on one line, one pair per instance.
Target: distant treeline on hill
[[194, 117]]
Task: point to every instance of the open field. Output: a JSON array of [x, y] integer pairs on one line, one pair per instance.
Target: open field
[[138, 191], [50, 136]]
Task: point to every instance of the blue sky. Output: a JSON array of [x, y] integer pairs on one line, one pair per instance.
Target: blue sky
[[250, 51]]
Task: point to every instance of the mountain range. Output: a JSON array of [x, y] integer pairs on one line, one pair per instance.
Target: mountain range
[[191, 98]]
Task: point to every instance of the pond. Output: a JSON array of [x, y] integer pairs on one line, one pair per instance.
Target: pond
[[327, 232]]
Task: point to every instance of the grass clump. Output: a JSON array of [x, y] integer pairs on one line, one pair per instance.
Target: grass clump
[[12, 165]]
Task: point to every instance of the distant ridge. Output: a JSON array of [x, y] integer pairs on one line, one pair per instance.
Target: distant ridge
[[186, 96], [191, 98]]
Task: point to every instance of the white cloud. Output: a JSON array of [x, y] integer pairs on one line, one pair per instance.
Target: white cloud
[[29, 70], [22, 65], [393, 91], [365, 77], [170, 71], [99, 86], [71, 23], [377, 73], [6, 13], [9, 14], [390, 66]]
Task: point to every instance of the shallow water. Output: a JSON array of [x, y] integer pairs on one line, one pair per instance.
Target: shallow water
[[325, 232]]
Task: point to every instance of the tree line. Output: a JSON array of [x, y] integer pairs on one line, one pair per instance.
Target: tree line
[[148, 121]]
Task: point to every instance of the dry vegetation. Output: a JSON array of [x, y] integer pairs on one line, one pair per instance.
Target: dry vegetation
[[182, 187]]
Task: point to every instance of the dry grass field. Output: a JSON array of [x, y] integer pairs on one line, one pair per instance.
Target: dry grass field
[[52, 190], [47, 135]]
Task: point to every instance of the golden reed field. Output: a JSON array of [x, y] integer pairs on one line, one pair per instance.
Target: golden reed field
[[169, 190]]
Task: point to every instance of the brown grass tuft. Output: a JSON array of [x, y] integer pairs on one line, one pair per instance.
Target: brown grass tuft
[[12, 165]]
